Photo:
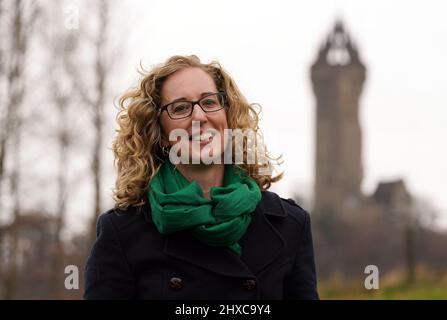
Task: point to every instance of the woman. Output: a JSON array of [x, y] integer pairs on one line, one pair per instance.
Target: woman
[[190, 222]]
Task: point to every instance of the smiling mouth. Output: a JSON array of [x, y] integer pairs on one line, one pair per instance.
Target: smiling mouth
[[204, 137]]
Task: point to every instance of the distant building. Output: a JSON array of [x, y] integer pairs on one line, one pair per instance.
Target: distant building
[[338, 76], [354, 229]]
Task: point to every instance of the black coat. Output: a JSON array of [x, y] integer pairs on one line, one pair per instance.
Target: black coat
[[132, 260]]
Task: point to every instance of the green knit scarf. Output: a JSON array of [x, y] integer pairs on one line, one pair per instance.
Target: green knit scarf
[[178, 204]]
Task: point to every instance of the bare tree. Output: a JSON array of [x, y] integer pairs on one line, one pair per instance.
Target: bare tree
[[68, 84], [63, 43], [2, 125], [2, 119], [61, 99], [99, 110], [421, 214], [95, 100], [24, 14]]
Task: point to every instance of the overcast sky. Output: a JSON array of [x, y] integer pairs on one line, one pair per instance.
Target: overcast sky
[[268, 47]]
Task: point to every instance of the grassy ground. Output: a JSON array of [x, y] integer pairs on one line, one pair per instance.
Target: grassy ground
[[394, 287]]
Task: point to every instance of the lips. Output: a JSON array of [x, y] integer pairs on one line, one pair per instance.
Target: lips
[[205, 137]]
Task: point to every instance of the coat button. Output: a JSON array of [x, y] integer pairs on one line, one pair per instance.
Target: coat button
[[249, 284], [176, 283]]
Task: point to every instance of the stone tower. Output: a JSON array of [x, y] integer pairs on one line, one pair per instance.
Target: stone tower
[[338, 76]]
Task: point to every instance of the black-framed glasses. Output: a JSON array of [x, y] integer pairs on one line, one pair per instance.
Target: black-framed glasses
[[183, 109]]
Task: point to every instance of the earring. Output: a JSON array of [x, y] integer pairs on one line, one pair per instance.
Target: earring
[[165, 151]]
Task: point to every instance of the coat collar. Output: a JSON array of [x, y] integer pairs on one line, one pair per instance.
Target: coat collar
[[261, 244]]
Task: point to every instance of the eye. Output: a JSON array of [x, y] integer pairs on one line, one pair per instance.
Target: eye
[[209, 102], [180, 107]]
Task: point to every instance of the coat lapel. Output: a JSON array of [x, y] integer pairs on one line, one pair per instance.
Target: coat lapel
[[261, 244]]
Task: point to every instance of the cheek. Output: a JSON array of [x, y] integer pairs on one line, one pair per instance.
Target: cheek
[[225, 120], [164, 123], [167, 125], [221, 121]]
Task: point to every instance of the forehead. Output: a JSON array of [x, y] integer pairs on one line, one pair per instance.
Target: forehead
[[187, 83]]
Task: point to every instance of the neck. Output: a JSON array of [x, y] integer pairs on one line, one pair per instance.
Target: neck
[[207, 176]]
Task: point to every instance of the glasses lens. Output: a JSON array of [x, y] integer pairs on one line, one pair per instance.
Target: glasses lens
[[179, 109], [212, 102]]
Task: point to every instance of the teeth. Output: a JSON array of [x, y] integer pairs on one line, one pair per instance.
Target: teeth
[[205, 136]]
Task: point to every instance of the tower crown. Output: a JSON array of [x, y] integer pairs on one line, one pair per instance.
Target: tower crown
[[338, 49]]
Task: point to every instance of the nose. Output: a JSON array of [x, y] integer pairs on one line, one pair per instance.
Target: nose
[[197, 113]]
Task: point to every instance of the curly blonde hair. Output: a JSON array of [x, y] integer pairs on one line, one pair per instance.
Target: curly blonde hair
[[136, 147]]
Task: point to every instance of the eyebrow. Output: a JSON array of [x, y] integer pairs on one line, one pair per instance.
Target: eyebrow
[[185, 99]]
